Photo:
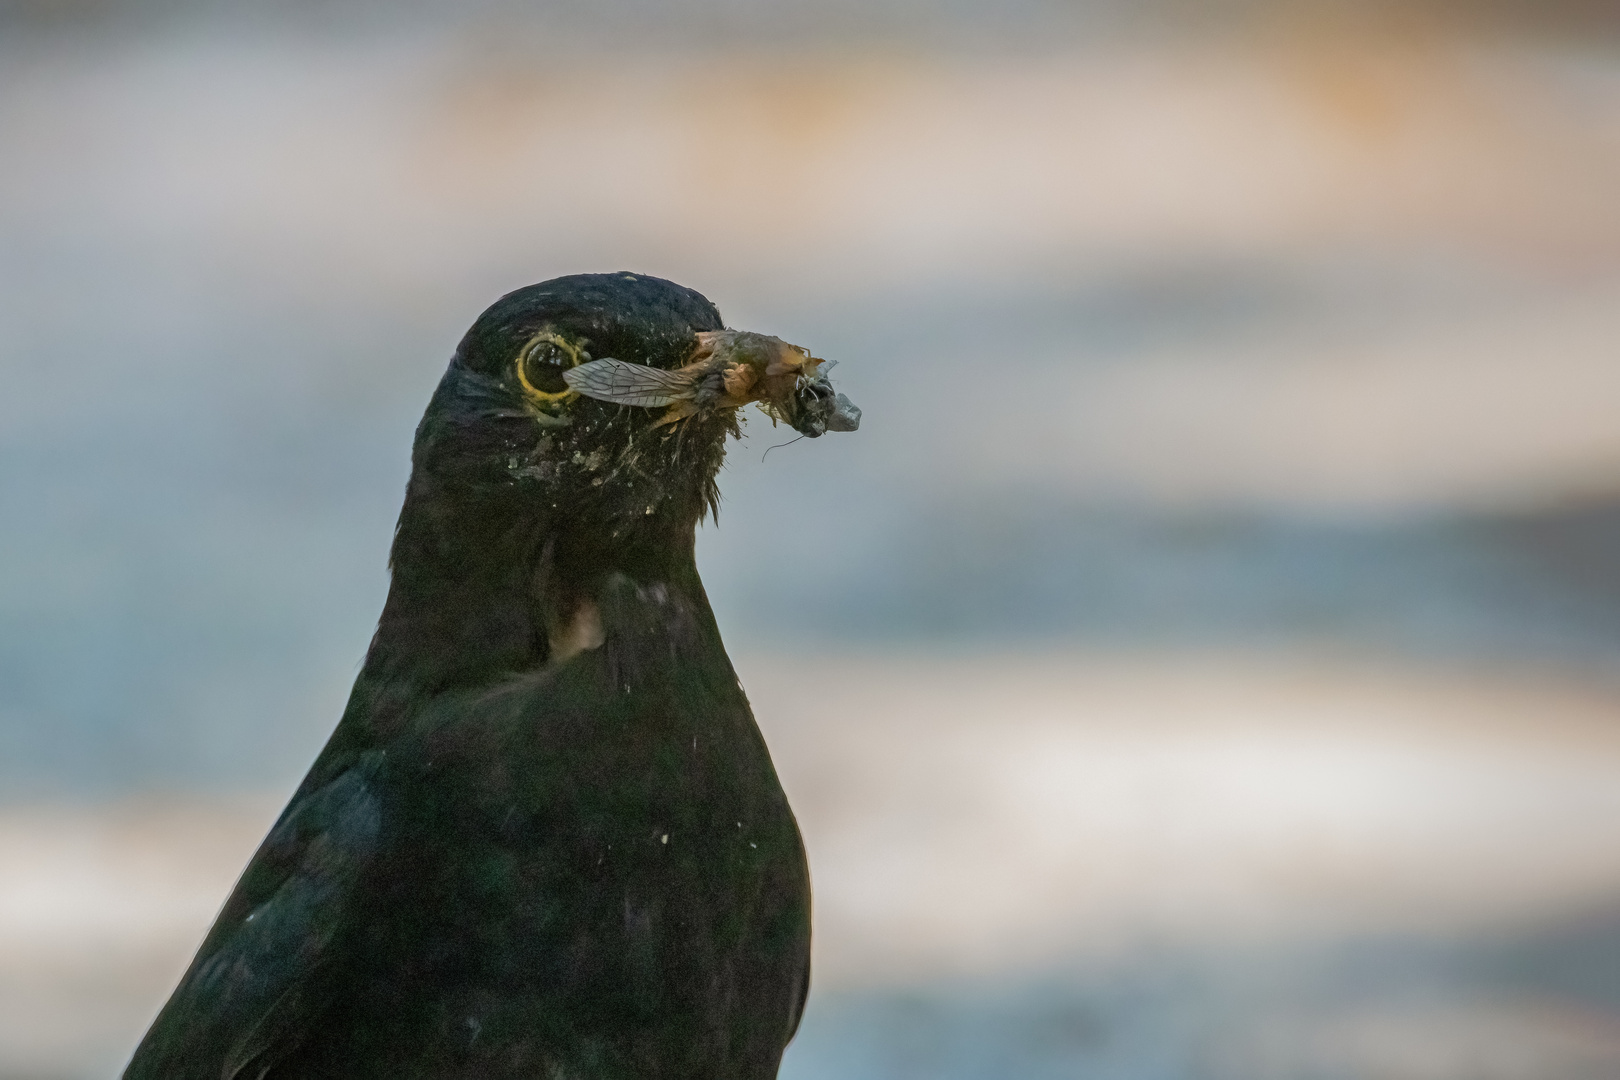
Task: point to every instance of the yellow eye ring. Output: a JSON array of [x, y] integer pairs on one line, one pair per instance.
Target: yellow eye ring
[[569, 349]]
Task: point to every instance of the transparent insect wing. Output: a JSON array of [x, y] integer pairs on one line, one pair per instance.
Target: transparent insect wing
[[629, 384]]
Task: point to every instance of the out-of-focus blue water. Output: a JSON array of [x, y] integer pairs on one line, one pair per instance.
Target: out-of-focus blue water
[[1348, 1011]]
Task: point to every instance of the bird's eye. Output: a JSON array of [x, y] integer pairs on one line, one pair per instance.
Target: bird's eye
[[541, 364]]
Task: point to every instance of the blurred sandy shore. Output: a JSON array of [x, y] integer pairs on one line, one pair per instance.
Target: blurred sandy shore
[[1239, 840]]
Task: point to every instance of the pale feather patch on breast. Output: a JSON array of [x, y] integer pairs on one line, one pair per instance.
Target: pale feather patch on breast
[[582, 632]]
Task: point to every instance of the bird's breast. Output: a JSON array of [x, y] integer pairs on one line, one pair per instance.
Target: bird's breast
[[628, 847]]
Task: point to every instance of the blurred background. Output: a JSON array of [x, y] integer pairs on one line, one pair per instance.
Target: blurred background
[[1204, 664]]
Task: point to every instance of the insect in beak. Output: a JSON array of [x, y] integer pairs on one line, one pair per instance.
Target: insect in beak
[[731, 368]]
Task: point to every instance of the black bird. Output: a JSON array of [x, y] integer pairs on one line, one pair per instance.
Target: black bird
[[546, 838]]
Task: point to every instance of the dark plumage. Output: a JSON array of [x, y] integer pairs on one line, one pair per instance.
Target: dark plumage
[[546, 839]]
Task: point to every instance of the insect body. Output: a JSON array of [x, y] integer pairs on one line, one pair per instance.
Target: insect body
[[730, 369]]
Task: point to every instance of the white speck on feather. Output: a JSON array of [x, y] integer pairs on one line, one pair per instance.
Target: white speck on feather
[[664, 839]]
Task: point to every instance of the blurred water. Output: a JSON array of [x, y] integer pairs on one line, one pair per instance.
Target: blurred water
[[1389, 1009]]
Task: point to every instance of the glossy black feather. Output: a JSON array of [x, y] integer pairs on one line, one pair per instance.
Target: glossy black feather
[[509, 861]]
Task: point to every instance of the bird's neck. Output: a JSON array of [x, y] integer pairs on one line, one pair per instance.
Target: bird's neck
[[483, 591]]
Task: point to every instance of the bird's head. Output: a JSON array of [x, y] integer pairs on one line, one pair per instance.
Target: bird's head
[[567, 456], [514, 424]]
